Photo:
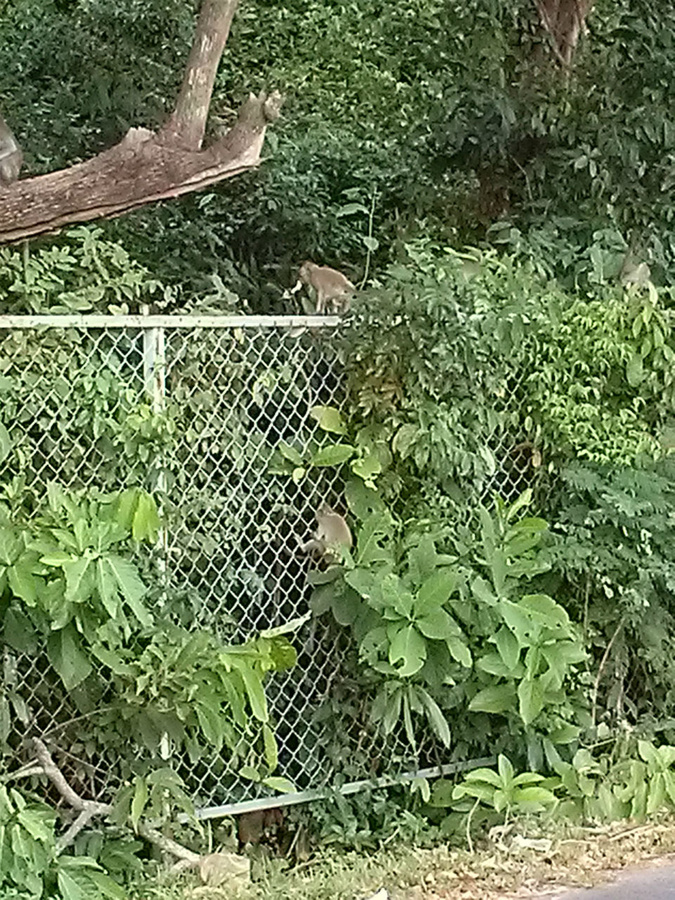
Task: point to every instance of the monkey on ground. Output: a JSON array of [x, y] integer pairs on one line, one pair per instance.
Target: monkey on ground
[[331, 538], [11, 157], [258, 825], [330, 286]]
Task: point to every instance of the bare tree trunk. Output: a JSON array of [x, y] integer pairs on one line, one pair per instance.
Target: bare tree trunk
[[187, 123], [564, 21]]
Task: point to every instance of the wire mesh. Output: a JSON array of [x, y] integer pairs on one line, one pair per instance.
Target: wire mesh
[[194, 411]]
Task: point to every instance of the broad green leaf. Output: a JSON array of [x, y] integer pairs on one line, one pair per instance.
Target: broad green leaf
[[79, 580], [363, 501], [39, 823], [70, 887], [496, 699], [125, 508], [437, 589], [107, 587], [436, 718], [19, 632], [282, 785], [483, 592], [346, 607], [422, 559], [459, 651], [395, 597], [5, 443], [255, 692], [364, 582], [535, 797], [334, 455], [374, 540], [329, 419], [270, 745], [408, 647], [130, 586], [209, 715], [10, 546], [489, 776], [367, 467], [436, 625], [545, 610], [493, 664], [508, 648], [146, 523], [530, 699], [505, 769], [519, 504], [139, 801], [290, 453], [23, 583], [64, 649]]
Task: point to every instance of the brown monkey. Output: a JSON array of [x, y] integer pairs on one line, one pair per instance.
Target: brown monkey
[[331, 287], [259, 825], [332, 535], [11, 157]]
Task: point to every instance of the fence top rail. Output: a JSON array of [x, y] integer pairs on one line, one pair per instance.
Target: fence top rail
[[96, 321]]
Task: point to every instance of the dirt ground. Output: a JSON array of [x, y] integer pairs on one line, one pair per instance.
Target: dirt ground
[[521, 867]]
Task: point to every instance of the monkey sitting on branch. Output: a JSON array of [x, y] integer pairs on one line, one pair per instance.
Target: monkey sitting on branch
[[11, 157], [330, 286], [332, 537]]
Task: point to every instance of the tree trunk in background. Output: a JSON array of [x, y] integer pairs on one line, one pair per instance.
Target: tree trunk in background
[[564, 20]]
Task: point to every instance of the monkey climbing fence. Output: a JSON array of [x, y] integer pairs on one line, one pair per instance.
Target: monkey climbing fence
[[196, 409]]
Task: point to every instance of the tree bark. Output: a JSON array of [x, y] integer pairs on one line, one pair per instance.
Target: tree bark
[[141, 169], [145, 167], [564, 20], [187, 123]]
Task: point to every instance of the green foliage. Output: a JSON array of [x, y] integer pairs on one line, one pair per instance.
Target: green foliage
[[635, 783], [612, 561], [455, 348], [70, 584], [31, 865], [503, 790], [423, 620], [73, 598], [81, 272]]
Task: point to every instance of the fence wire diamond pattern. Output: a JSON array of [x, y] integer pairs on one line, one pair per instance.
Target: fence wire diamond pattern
[[194, 410]]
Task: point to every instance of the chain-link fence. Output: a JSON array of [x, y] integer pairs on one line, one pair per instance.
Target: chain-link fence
[[195, 410]]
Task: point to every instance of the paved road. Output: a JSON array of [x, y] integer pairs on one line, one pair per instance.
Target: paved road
[[652, 884]]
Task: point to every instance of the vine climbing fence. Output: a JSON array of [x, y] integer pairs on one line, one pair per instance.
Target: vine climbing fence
[[195, 409]]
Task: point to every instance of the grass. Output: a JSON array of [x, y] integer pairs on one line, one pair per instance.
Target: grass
[[524, 861]]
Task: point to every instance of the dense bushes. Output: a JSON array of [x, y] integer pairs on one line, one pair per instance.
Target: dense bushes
[[453, 363], [470, 136]]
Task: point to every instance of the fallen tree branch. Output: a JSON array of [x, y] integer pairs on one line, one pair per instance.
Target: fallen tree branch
[[141, 169], [145, 166], [89, 809]]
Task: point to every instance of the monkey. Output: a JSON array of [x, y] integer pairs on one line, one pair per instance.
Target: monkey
[[258, 825], [331, 287], [332, 536], [11, 157]]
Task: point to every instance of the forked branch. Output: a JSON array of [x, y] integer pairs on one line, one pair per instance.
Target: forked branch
[[147, 166]]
